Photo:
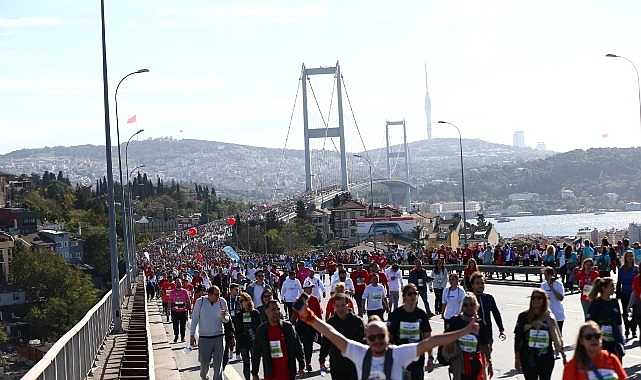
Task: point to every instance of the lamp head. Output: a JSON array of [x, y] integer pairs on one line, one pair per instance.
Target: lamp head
[[142, 71], [140, 131], [442, 122], [612, 55]]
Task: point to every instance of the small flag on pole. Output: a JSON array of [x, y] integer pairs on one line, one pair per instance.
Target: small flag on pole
[[131, 119], [605, 135]]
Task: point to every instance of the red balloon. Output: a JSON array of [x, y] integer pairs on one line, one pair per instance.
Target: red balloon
[[199, 255], [231, 221], [192, 231]]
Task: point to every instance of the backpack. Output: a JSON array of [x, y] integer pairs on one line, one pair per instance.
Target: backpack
[[446, 357], [389, 362]]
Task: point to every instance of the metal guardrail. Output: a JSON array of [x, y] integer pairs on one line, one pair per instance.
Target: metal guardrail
[[73, 355], [508, 271], [135, 359]]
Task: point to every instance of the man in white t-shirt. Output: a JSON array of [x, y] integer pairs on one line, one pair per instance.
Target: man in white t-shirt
[[342, 277], [318, 287], [378, 346], [395, 283]]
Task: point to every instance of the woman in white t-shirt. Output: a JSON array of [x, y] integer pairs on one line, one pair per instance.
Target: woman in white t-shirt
[[554, 289], [375, 296], [452, 298]]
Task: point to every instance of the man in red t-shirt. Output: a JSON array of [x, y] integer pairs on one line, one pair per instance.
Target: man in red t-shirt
[[321, 267], [331, 265], [360, 277], [277, 344]]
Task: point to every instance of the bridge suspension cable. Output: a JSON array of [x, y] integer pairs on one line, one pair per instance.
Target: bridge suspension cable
[[282, 156]]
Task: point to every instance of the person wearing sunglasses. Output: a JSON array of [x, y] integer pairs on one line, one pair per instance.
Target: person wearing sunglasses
[[605, 311], [265, 297], [470, 355], [535, 332], [348, 324], [590, 360], [246, 322], [410, 324], [378, 346], [255, 289], [586, 277]]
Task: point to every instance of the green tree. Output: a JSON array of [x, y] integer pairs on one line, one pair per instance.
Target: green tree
[[64, 294]]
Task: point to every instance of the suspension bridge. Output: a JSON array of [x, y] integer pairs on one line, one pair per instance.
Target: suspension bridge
[[330, 134]]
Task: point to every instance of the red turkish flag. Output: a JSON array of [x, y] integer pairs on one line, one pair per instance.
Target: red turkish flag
[[131, 119]]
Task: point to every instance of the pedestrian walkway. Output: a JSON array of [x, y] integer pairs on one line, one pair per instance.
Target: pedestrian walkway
[[107, 364]]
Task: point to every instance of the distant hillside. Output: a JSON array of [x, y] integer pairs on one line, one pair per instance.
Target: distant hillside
[[255, 173], [588, 173]]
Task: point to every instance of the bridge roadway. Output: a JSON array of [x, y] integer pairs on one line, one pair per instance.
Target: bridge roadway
[[511, 299]]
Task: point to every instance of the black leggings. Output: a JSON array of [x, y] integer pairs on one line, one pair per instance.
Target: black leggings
[[537, 368], [438, 294], [179, 320], [630, 324]]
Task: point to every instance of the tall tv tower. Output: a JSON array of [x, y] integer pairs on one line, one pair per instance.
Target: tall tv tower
[[428, 107]]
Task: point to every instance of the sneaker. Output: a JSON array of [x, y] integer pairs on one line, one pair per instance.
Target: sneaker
[[308, 368], [175, 338], [182, 339], [429, 314], [238, 358]]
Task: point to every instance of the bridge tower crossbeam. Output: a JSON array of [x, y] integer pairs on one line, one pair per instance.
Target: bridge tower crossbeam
[[315, 133], [403, 191]]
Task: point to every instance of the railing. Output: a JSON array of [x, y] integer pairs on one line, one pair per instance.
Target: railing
[[73, 355]]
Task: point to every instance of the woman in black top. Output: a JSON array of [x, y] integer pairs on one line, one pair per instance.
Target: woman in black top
[[245, 324], [605, 311], [474, 349], [535, 332]]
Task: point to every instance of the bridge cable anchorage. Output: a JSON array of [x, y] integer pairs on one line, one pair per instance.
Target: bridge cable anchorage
[[282, 156]]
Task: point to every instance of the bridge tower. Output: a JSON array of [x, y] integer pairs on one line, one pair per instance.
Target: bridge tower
[[398, 192], [316, 133]]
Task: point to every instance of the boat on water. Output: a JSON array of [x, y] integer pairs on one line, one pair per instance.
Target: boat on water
[[503, 220]]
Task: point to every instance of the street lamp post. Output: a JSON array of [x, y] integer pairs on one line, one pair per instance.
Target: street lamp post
[[132, 231], [638, 84], [371, 193], [113, 244], [125, 234], [460, 142], [130, 239]]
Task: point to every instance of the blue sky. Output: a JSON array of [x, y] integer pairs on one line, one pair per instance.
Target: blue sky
[[229, 71]]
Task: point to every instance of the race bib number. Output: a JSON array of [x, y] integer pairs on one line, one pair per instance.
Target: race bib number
[[410, 331], [247, 318], [587, 289], [538, 339], [377, 297], [360, 281], [179, 304], [608, 333], [168, 292], [275, 349], [606, 374], [468, 343], [421, 283]]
